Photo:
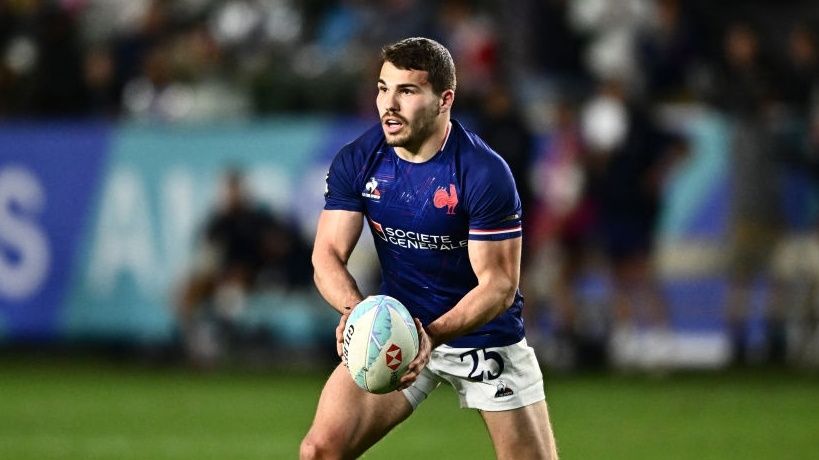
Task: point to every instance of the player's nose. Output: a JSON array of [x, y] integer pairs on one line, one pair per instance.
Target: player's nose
[[392, 102]]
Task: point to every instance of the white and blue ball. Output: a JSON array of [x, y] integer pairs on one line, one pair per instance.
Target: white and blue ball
[[380, 340]]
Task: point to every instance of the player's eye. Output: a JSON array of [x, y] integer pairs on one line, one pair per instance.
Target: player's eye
[[382, 89], [407, 91]]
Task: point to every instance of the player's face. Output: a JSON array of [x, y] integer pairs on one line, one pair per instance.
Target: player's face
[[407, 105]]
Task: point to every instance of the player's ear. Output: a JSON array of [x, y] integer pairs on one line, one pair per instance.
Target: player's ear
[[447, 98]]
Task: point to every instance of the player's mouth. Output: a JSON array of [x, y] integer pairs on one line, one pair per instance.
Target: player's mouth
[[392, 125]]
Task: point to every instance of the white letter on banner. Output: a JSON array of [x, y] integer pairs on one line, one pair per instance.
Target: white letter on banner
[[178, 219], [124, 242], [273, 188], [20, 189]]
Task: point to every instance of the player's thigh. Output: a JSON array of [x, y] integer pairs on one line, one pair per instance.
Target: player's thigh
[[349, 420], [522, 433]]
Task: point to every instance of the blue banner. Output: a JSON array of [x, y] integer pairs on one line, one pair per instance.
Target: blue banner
[[49, 178], [98, 223]]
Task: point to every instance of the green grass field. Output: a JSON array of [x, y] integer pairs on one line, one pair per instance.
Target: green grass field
[[93, 410]]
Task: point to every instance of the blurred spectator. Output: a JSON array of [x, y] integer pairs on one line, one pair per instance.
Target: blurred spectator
[[561, 241], [59, 71], [396, 19], [470, 34], [744, 93], [630, 156], [134, 42], [243, 249], [100, 82], [19, 58], [283, 55], [180, 78], [541, 51], [798, 79], [554, 46], [795, 266], [668, 52], [501, 125], [40, 72], [613, 27]]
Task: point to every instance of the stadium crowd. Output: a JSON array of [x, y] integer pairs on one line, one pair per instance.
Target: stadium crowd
[[586, 100], [199, 59]]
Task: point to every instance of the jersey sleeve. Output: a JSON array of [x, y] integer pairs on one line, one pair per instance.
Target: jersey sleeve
[[340, 192], [494, 204]]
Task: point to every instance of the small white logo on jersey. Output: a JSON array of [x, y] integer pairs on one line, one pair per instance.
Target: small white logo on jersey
[[372, 191]]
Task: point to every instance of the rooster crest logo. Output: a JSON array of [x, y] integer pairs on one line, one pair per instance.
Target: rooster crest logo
[[442, 199]]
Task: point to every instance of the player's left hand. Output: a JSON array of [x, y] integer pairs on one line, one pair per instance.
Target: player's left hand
[[340, 334], [421, 359]]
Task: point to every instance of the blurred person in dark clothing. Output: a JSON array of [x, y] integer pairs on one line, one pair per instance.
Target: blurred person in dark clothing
[[743, 87], [793, 316], [540, 50], [131, 49], [502, 126], [668, 51], [40, 68], [744, 93], [243, 248], [98, 76], [539, 39], [629, 159], [793, 319], [562, 242], [798, 78], [60, 89], [470, 33]]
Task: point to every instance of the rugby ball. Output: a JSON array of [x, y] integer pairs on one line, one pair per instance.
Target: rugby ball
[[380, 340]]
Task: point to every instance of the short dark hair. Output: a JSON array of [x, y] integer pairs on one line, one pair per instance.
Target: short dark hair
[[418, 53]]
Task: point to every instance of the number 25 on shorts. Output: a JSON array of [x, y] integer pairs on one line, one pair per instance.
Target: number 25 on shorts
[[477, 374]]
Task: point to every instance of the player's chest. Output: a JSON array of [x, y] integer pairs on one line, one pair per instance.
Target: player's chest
[[425, 196]]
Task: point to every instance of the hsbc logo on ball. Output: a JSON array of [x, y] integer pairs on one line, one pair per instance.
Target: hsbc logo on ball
[[393, 357]]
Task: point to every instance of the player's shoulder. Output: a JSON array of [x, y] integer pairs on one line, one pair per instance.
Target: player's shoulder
[[474, 153], [364, 146]]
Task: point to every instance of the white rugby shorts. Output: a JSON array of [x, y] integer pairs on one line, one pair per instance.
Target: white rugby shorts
[[490, 379]]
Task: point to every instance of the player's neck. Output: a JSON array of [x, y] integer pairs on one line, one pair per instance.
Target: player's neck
[[429, 148]]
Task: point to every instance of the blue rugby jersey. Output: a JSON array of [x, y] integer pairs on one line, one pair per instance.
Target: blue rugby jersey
[[422, 216]]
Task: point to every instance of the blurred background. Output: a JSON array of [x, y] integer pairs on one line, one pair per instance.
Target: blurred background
[[162, 166]]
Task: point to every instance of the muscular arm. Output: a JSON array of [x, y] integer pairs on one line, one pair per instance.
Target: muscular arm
[[497, 266], [336, 236]]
